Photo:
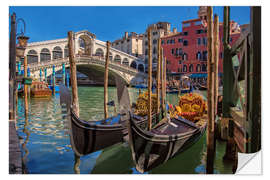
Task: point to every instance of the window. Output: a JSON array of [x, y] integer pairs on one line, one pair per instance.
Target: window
[[168, 41], [45, 55], [204, 41], [199, 41], [198, 68], [191, 68], [185, 68], [204, 68], [154, 41], [199, 31], [180, 51], [32, 57], [185, 33], [204, 56], [173, 41], [185, 56], [198, 55], [176, 51], [172, 51], [146, 43], [180, 40], [185, 43], [162, 42], [154, 50], [179, 62], [57, 53]]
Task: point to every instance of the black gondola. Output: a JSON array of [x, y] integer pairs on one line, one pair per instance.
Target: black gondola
[[87, 137], [153, 148]]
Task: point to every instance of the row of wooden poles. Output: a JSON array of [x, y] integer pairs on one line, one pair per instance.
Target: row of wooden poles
[[212, 84]]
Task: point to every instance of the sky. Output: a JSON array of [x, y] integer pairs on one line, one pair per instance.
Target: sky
[[108, 22]]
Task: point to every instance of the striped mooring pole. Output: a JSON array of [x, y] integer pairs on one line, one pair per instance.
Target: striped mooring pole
[[40, 75], [68, 80], [53, 76], [63, 74], [19, 72], [45, 74]]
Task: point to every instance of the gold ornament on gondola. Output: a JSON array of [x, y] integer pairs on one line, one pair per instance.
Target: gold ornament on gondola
[[142, 104]]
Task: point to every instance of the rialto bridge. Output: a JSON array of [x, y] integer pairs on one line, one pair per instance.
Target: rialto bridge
[[89, 56]]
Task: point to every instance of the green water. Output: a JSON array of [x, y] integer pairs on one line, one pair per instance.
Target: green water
[[47, 150]]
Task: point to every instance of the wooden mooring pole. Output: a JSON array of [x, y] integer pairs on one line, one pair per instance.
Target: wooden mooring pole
[[158, 79], [162, 83], [106, 74], [227, 85], [73, 74], [149, 33], [12, 68], [210, 94]]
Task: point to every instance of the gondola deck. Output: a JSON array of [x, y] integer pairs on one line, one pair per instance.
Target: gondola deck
[[153, 148]]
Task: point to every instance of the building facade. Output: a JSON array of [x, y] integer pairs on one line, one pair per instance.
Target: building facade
[[159, 30], [130, 44], [186, 52]]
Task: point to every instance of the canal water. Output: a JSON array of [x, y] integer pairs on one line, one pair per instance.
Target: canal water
[[46, 147]]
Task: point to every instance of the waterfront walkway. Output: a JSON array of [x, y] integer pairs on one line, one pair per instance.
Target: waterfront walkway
[[15, 156]]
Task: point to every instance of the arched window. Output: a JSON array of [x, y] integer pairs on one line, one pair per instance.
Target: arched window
[[191, 68], [185, 56], [99, 52], [198, 68], [117, 59], [185, 68], [66, 51], [125, 62], [204, 68], [32, 57], [141, 68], [198, 55], [45, 55], [133, 65], [57, 53]]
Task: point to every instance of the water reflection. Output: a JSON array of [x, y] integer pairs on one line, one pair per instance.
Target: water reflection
[[47, 148]]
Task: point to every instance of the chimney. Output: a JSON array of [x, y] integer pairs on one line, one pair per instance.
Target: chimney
[[126, 35], [174, 30]]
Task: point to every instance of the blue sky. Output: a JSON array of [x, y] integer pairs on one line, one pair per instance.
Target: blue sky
[[108, 22]]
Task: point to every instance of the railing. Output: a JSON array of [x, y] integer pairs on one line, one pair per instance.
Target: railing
[[86, 58]]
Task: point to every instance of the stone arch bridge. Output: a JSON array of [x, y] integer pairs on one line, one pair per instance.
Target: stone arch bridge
[[89, 55]]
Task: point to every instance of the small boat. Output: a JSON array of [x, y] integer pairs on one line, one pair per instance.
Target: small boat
[[87, 137], [40, 90], [172, 135]]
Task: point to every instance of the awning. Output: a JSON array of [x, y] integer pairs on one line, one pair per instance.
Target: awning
[[202, 75]]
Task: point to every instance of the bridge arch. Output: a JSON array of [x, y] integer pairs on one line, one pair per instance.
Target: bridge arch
[[32, 56], [117, 58], [125, 62], [99, 52], [133, 65], [57, 53], [45, 55]]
